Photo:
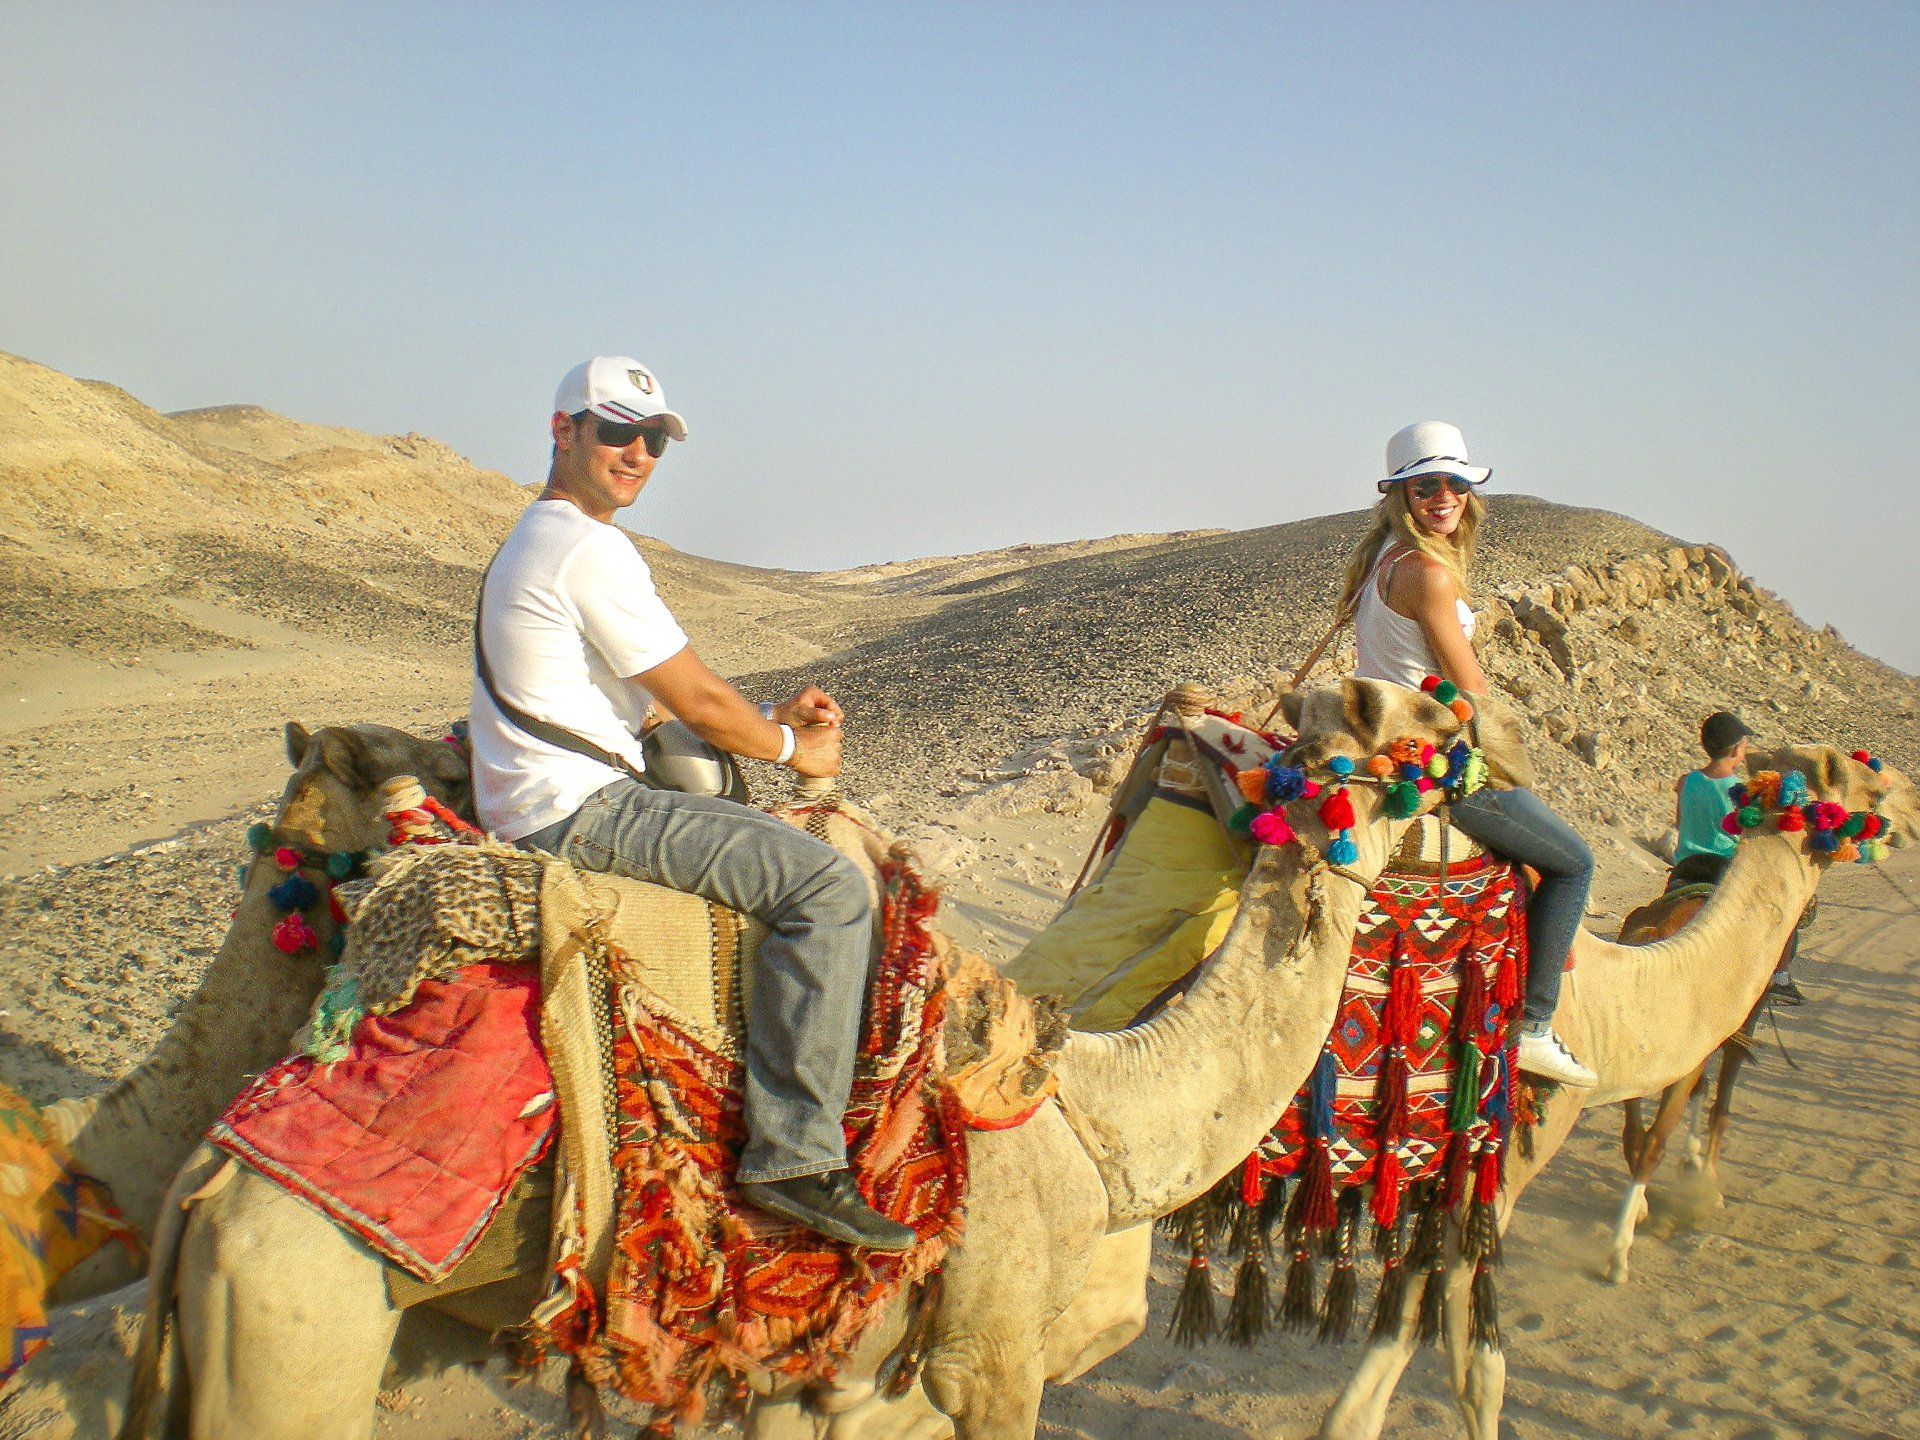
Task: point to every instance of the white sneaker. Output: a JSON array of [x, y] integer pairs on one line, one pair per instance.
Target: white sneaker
[[1542, 1053]]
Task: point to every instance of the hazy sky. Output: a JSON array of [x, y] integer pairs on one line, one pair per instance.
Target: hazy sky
[[927, 278]]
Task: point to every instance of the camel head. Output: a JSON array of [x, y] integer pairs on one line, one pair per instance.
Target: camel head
[[328, 804], [1361, 718], [1834, 776]]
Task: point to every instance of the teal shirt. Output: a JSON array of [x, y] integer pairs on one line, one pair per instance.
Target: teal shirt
[[1704, 803]]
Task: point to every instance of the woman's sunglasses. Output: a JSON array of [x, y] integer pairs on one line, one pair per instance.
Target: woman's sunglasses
[[1426, 487], [619, 437]]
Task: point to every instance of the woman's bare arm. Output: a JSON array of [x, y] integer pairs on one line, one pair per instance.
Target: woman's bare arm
[[1423, 590]]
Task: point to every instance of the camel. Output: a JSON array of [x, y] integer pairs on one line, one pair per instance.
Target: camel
[[284, 1323], [1643, 1140], [135, 1135], [1643, 1017]]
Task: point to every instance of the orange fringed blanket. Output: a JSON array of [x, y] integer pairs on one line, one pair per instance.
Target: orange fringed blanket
[[704, 1290]]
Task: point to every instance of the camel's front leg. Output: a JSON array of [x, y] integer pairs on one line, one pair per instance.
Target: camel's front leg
[[1478, 1372], [1651, 1151], [1037, 1215], [1360, 1412], [1110, 1310], [283, 1319]]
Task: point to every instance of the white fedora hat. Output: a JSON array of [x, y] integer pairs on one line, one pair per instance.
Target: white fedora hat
[[1430, 447]]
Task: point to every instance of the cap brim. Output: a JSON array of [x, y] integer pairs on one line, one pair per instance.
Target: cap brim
[[1472, 474], [622, 414]]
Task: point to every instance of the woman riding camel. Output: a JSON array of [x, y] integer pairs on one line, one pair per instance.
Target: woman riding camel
[[1405, 594]]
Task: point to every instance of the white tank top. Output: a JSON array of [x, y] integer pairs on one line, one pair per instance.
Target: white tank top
[[1386, 644]]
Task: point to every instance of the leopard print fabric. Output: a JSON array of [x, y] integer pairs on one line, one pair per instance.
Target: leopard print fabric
[[427, 911]]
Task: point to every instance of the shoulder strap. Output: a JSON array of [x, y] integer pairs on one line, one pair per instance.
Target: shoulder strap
[[554, 735]]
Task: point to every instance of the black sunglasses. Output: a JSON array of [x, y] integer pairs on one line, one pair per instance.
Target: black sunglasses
[[619, 437], [1425, 487]]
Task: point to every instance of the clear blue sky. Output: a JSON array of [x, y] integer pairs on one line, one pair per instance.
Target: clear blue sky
[[925, 278]]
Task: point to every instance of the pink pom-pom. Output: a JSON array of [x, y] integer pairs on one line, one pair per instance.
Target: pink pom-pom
[[1730, 823], [1271, 828], [1423, 784], [286, 858], [1426, 753], [1312, 792]]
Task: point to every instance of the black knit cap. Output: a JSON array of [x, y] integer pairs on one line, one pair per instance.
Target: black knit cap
[[1721, 731]]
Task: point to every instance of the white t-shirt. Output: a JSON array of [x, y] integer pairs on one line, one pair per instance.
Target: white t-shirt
[[569, 612]]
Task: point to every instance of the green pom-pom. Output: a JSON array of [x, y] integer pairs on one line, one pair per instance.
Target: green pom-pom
[[1446, 692], [1241, 822], [341, 864], [1402, 799], [1750, 817], [1856, 822], [260, 836], [1437, 767]]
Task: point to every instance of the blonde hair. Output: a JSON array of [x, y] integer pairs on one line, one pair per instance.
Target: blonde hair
[[1393, 520]]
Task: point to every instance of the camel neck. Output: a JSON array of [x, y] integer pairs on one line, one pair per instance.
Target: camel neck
[[1168, 1107], [136, 1135], [1645, 1015]]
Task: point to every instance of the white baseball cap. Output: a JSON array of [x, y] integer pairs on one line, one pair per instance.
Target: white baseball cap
[[617, 388], [1430, 447]]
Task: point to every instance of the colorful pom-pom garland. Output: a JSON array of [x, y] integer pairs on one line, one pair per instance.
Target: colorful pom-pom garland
[[1409, 770], [1849, 836]]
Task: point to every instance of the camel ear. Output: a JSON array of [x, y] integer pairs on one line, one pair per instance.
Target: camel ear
[[345, 756], [1292, 702], [1360, 709], [1827, 773], [297, 739], [1503, 742]]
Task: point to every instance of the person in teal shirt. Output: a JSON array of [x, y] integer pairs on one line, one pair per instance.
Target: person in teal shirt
[[1702, 799]]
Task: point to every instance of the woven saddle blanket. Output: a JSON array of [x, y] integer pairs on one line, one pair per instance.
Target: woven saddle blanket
[[485, 993]]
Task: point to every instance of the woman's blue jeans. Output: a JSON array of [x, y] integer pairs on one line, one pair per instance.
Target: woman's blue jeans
[[1518, 824]]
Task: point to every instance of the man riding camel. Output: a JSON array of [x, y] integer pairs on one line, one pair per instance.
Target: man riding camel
[[572, 645]]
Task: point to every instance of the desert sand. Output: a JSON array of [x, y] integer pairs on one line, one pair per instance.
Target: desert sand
[[174, 597]]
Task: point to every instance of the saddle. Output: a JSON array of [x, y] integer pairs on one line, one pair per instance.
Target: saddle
[[1408, 1111]]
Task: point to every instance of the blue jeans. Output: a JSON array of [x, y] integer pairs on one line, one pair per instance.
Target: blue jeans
[[1518, 824], [810, 979]]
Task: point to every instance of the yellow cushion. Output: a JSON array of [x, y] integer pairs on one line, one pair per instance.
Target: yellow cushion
[[1162, 904]]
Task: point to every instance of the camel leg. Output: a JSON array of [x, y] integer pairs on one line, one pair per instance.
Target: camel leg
[[1633, 1133], [1478, 1374], [1360, 1412], [1732, 1057], [283, 1319], [1653, 1147], [1110, 1310]]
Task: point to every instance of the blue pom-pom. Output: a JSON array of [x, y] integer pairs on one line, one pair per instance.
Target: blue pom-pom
[[1738, 795], [1793, 788], [1340, 765], [1825, 841], [1874, 764], [1343, 851], [1285, 783], [296, 892], [1411, 771]]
